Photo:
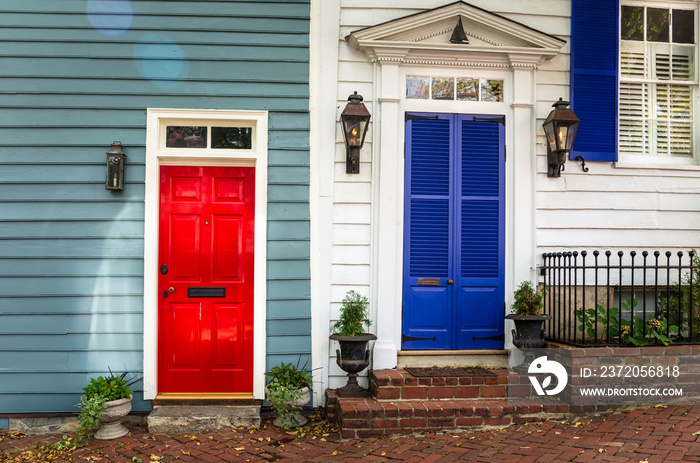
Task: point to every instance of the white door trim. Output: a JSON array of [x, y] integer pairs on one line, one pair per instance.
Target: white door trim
[[518, 109], [157, 155]]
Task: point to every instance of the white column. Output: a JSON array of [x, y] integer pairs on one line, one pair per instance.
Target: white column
[[389, 241], [521, 197]]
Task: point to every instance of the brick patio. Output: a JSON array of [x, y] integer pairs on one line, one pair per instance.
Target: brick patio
[[653, 435]]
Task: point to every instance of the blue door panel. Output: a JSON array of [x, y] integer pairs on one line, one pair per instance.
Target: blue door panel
[[477, 317], [454, 221], [429, 317]]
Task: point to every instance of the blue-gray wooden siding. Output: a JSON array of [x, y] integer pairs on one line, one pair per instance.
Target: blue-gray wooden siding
[[71, 253]]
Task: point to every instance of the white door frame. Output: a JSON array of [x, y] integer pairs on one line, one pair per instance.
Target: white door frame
[[157, 155], [519, 110]]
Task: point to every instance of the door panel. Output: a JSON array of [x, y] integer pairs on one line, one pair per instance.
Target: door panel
[[206, 296], [454, 222]]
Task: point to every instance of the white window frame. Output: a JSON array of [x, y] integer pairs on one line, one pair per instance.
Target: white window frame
[[158, 155], [650, 160]]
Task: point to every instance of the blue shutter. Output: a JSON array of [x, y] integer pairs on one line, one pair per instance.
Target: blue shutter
[[479, 282], [429, 143], [594, 55], [428, 222]]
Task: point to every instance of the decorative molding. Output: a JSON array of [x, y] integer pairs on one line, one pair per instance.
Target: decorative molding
[[504, 43], [522, 105], [430, 35], [479, 64], [390, 100]]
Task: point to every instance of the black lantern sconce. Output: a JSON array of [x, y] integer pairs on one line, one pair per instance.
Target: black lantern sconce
[[560, 128], [355, 120], [115, 167]]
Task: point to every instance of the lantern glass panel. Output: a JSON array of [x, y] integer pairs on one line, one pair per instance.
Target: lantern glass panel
[[115, 172], [354, 132], [551, 139]]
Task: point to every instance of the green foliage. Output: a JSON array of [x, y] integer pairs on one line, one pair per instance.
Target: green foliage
[[90, 416], [284, 390], [110, 387], [290, 375], [527, 301], [354, 313], [629, 329], [676, 304]]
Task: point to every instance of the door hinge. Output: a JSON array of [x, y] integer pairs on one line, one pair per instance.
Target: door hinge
[[413, 117], [496, 119]]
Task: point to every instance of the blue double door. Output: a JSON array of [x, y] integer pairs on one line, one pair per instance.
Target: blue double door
[[453, 284]]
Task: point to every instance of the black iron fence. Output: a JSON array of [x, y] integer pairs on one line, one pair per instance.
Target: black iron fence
[[631, 299]]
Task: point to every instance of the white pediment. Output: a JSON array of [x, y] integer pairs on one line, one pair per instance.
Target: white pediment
[[424, 38]]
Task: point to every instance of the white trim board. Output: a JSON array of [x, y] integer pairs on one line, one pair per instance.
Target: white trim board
[[156, 156]]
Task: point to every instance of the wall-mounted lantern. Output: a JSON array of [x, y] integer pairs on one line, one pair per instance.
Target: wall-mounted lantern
[[355, 120], [115, 167], [560, 128]]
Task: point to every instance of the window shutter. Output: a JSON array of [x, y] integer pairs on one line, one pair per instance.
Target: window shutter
[[428, 143], [594, 54]]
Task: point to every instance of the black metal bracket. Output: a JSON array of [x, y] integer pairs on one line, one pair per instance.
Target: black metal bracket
[[496, 119], [583, 163], [406, 338], [414, 117], [500, 337]]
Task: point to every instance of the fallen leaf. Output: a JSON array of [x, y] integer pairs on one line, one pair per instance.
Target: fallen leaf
[[601, 450], [458, 444], [335, 452]]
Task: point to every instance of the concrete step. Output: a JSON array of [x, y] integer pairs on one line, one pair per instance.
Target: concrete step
[[176, 419], [486, 358]]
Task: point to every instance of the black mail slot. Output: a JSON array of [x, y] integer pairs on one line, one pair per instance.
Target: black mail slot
[[206, 292]]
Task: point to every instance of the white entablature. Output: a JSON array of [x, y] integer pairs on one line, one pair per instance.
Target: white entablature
[[424, 39]]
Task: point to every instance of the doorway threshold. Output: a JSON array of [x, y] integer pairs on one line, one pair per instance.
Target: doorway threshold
[[486, 358], [206, 398]]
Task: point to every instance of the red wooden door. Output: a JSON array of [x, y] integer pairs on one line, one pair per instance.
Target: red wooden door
[[205, 290]]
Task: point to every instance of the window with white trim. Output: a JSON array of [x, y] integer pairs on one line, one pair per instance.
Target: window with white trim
[[658, 80]]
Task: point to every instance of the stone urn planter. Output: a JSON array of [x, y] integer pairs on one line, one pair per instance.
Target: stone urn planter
[[112, 416], [293, 407], [352, 357], [528, 332]]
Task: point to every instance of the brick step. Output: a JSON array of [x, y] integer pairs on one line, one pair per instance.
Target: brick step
[[368, 417], [400, 385]]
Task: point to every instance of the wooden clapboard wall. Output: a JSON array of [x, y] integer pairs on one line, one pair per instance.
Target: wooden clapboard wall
[[72, 80]]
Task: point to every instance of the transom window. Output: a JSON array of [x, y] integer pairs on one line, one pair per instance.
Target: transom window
[[657, 81], [209, 135], [453, 88]]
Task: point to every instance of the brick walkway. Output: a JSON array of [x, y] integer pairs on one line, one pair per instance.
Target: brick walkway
[[663, 434]]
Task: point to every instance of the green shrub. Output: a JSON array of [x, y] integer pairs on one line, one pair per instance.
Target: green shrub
[[527, 301], [354, 313]]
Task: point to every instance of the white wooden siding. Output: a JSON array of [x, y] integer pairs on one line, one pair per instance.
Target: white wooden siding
[[607, 208]]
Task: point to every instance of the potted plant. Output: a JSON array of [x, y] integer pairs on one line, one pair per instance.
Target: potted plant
[[288, 391], [528, 320], [106, 400], [349, 331]]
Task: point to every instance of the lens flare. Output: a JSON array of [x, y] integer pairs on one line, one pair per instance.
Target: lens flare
[[110, 17], [161, 60]]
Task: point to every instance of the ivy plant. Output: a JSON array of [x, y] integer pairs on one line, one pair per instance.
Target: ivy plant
[[110, 387], [284, 390]]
